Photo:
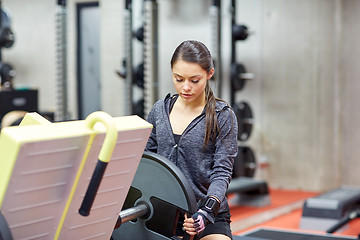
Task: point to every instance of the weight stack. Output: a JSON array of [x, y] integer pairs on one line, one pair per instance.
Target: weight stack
[[323, 211]]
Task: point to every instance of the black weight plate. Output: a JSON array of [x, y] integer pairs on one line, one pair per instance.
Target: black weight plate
[[240, 32], [244, 163], [244, 117], [162, 186], [237, 83], [138, 108], [138, 76]]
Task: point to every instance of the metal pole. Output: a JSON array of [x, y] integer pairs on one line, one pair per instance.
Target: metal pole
[[132, 213], [233, 47], [150, 54], [128, 47], [215, 12], [61, 62]]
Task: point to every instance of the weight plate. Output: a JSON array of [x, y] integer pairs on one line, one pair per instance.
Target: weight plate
[[138, 76], [6, 35], [237, 83], [240, 32], [244, 117], [244, 163], [138, 108], [160, 184]]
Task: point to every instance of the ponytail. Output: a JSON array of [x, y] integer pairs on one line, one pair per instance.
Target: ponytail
[[211, 123]]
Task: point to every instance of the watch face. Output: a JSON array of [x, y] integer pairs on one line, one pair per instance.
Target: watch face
[[210, 203]]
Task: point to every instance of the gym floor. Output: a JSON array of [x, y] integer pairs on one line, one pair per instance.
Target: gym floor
[[284, 213]]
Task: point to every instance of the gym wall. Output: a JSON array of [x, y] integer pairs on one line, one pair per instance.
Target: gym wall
[[304, 55], [349, 85], [295, 92]]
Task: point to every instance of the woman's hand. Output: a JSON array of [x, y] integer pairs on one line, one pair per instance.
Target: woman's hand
[[189, 225], [205, 215]]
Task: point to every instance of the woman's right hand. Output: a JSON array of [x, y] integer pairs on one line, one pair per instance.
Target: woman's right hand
[[189, 225]]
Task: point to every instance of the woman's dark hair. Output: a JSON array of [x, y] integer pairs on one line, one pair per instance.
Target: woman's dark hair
[[196, 52]]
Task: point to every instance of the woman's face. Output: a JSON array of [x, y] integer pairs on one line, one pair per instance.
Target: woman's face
[[190, 80]]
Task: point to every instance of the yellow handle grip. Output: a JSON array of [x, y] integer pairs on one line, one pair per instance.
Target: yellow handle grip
[[111, 133]]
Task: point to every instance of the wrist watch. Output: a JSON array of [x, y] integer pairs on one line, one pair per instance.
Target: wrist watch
[[210, 203]]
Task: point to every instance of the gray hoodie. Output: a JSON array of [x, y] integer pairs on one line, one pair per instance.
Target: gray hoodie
[[208, 171]]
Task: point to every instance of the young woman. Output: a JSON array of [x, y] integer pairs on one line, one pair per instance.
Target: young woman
[[198, 133]]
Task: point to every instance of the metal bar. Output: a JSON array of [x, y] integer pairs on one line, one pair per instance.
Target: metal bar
[[150, 54], [132, 213], [215, 12], [233, 47], [61, 63], [233, 22], [128, 48]]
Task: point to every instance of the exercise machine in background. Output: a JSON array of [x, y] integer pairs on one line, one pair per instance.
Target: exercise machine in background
[[332, 210]]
